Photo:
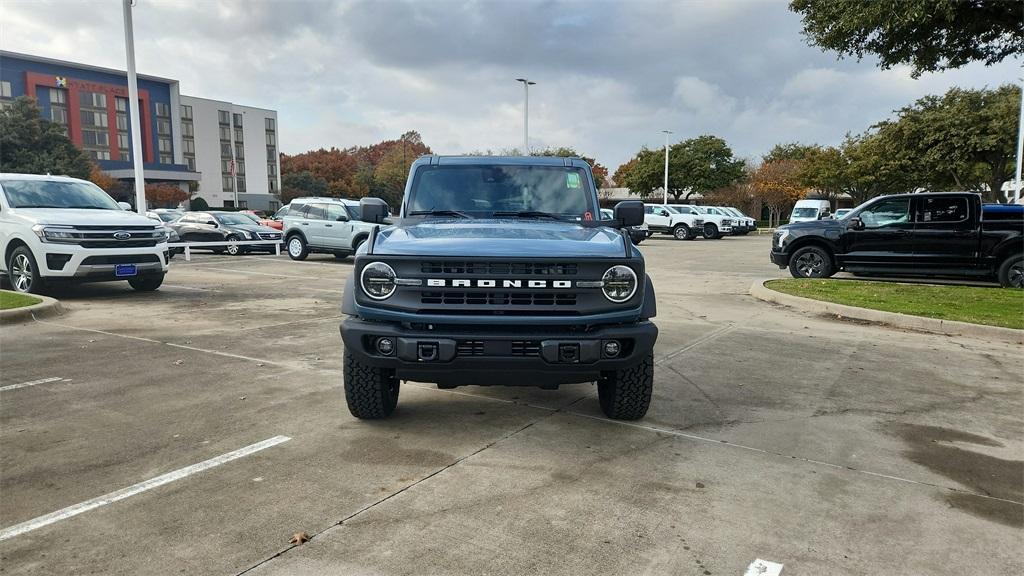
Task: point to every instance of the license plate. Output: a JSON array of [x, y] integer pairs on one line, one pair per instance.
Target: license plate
[[121, 270]]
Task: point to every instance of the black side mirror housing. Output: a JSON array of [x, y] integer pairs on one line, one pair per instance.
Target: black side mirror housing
[[211, 223], [855, 223], [629, 213], [373, 210]]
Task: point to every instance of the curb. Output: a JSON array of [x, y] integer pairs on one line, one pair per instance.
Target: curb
[[48, 307], [895, 319]]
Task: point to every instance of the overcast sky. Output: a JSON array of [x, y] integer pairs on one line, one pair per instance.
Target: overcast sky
[[610, 76]]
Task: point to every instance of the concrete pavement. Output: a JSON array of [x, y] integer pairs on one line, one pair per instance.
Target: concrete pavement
[[826, 446]]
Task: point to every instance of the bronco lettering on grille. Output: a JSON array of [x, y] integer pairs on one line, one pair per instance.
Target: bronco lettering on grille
[[481, 283]]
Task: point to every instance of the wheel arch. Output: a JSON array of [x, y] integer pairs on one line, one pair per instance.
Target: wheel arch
[[817, 243], [12, 245]]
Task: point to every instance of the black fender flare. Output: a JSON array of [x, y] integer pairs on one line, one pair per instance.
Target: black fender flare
[[348, 297], [650, 307]]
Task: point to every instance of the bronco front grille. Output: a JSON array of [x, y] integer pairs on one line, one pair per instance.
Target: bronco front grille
[[499, 268], [499, 298], [508, 348]]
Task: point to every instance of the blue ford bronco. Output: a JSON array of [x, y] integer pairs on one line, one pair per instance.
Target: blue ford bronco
[[499, 271]]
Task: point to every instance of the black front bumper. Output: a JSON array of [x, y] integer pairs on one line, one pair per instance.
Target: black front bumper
[[780, 259], [504, 357]]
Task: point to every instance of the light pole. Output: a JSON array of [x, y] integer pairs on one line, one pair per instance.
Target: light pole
[[1020, 146], [665, 198], [526, 114], [133, 111]]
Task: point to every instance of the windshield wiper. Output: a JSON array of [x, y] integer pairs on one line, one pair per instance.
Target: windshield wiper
[[528, 214], [439, 213], [88, 207]]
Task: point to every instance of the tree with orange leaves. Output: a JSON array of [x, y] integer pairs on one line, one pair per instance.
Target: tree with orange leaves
[[778, 185]]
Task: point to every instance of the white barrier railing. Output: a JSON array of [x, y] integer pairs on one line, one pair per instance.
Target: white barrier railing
[[189, 245]]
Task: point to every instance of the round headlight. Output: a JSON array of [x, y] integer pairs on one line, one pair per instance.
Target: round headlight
[[378, 280], [619, 283]]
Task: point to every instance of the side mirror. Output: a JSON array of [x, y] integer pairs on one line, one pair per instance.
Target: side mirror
[[211, 223], [855, 223], [373, 210], [125, 206], [629, 213], [341, 218]]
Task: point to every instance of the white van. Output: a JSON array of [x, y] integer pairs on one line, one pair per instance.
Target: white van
[[810, 210]]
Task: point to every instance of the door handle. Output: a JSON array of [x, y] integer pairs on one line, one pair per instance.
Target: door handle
[[329, 225], [903, 232], [305, 223]]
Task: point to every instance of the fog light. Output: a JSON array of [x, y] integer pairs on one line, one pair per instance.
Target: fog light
[[611, 348], [385, 346]]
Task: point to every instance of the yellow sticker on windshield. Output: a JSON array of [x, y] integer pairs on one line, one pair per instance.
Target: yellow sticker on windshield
[[572, 180]]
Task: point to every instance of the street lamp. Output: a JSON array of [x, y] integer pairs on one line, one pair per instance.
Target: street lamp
[[133, 110], [526, 114], [665, 198]]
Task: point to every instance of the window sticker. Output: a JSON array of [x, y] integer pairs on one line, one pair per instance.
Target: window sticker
[[572, 180]]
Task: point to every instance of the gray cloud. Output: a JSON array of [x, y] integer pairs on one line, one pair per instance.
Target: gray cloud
[[610, 75]]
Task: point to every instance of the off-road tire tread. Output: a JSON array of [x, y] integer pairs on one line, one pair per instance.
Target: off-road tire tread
[[1003, 274], [626, 394], [366, 390]]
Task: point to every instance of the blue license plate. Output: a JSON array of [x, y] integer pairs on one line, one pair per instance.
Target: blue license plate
[[122, 270]]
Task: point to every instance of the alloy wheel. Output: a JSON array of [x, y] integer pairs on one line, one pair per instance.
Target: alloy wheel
[[21, 272], [295, 247], [810, 265], [1016, 275]]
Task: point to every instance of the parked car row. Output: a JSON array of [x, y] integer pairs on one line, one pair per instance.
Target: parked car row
[[688, 221]]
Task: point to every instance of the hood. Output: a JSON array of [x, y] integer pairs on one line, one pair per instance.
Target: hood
[[813, 225], [80, 217], [498, 237]]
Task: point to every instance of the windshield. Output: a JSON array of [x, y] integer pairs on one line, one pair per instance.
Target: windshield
[[480, 191], [805, 213], [235, 219], [53, 194], [168, 216], [354, 213], [842, 213]]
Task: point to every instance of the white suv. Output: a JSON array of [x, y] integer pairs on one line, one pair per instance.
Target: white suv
[[326, 225], [668, 220], [55, 228]]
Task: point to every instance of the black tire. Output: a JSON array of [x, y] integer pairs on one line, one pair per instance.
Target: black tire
[[711, 231], [811, 262], [681, 232], [146, 283], [371, 393], [23, 273], [233, 249], [297, 248], [1011, 272], [626, 394]]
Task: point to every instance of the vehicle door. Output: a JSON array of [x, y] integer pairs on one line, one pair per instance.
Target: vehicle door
[[314, 225], [207, 229], [945, 232], [188, 229], [657, 217], [336, 227], [884, 236]]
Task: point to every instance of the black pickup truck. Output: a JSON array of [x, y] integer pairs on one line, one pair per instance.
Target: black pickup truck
[[926, 234]]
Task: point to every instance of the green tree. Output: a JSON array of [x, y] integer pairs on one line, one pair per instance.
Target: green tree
[[873, 169], [929, 35], [698, 165], [964, 139], [824, 170], [789, 151], [298, 184], [599, 171], [643, 174], [31, 145]]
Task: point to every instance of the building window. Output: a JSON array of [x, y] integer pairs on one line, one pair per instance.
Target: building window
[[225, 166], [225, 149], [121, 104], [239, 151], [186, 112], [126, 155], [92, 99], [238, 135], [271, 154], [224, 117], [190, 161], [240, 182], [90, 118], [225, 133], [122, 122], [165, 144], [166, 159], [163, 110], [59, 115], [229, 203], [271, 139], [187, 129], [226, 182], [122, 142], [163, 127], [99, 154], [188, 146], [272, 185], [238, 121], [272, 169], [240, 167], [5, 89], [58, 96], [271, 124], [94, 138]]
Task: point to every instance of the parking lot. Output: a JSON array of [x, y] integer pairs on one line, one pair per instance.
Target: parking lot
[[826, 446]]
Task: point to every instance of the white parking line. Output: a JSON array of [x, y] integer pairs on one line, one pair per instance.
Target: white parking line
[[32, 383], [763, 568], [76, 509]]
